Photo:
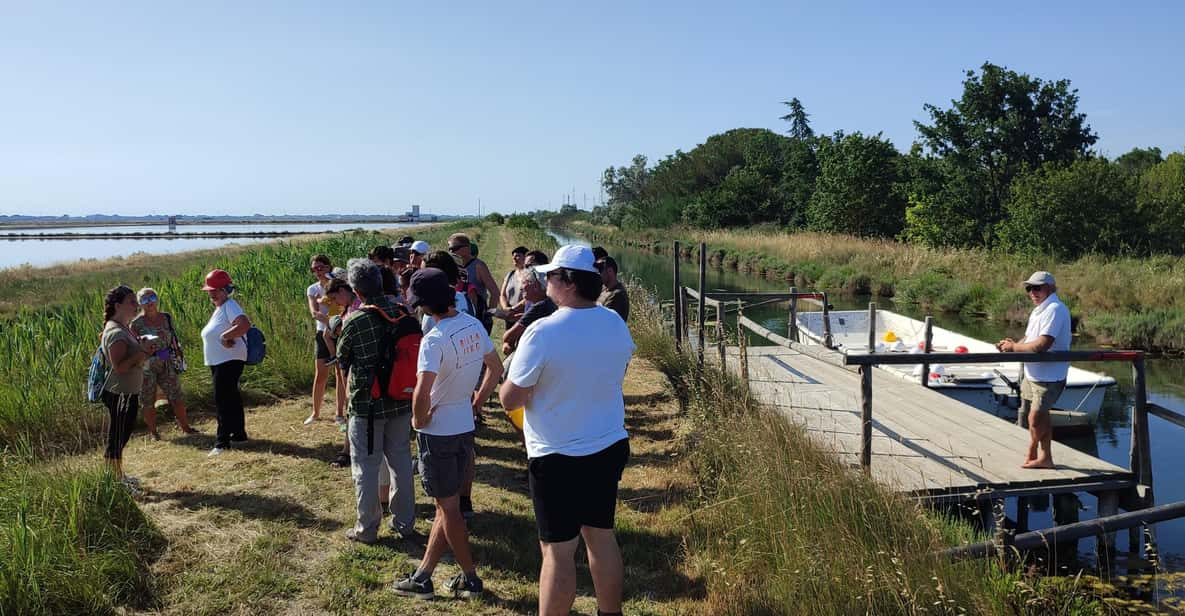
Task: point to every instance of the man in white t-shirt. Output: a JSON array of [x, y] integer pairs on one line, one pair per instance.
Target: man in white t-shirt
[[1048, 330], [568, 373], [451, 358]]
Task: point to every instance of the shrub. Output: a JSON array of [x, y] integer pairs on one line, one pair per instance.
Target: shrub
[[495, 218]]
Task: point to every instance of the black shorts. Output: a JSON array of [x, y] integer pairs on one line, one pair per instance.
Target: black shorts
[[573, 491], [322, 348], [443, 462]]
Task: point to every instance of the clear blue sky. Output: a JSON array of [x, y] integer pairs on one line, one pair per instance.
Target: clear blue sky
[[293, 107]]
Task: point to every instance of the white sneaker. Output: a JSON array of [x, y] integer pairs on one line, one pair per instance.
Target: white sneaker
[[311, 419], [217, 451]]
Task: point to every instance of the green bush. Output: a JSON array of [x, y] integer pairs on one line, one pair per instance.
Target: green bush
[[494, 218], [522, 221]]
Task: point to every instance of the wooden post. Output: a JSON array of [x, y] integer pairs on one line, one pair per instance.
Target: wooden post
[[792, 324], [683, 306], [927, 347], [742, 345], [1022, 514], [827, 342], [677, 300], [871, 327], [703, 272], [720, 336], [866, 418], [1002, 539], [1065, 511], [1141, 449]]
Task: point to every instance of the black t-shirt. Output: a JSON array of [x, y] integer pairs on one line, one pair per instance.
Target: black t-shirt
[[390, 282], [537, 311]]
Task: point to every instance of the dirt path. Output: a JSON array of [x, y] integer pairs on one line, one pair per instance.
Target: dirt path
[[260, 530]]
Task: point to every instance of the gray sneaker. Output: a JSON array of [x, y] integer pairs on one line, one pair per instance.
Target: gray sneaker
[[463, 587], [409, 587]]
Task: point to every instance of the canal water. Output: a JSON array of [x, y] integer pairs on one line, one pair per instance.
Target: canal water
[[1110, 440], [40, 252]]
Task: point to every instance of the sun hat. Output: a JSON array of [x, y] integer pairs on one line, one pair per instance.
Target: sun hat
[[1039, 278], [571, 257], [147, 295], [401, 254], [429, 286], [420, 247], [217, 279]]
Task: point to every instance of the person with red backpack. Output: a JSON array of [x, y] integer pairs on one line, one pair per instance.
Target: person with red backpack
[[379, 410]]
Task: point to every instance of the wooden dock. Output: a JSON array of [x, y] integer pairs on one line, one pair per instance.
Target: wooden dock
[[923, 443]]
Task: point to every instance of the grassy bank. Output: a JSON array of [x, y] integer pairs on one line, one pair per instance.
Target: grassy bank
[[1121, 301]]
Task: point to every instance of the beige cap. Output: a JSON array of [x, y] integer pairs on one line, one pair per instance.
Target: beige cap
[[1039, 278]]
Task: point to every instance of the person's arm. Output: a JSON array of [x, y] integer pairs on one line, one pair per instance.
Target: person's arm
[[125, 357], [513, 396], [1040, 345], [512, 335], [315, 310], [487, 279], [421, 400], [238, 329], [489, 382], [503, 301]]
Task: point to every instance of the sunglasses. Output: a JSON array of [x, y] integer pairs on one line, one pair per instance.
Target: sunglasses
[[1029, 288], [148, 299]]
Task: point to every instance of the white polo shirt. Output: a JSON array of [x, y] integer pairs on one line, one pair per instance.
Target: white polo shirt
[[1049, 318]]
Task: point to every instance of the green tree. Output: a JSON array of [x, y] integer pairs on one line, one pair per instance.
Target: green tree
[[743, 192], [800, 127], [1066, 211], [495, 218], [1160, 204], [1139, 160], [1005, 122], [856, 191]]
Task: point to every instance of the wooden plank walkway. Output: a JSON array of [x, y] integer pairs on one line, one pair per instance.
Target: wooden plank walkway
[[924, 443]]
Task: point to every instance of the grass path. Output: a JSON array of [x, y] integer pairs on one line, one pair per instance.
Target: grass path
[[260, 530]]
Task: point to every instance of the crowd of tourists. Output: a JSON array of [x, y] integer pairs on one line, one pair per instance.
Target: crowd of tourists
[[405, 332]]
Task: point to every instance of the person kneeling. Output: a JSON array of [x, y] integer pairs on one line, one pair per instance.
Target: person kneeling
[[443, 406]]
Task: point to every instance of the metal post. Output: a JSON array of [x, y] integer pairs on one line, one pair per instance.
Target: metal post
[[703, 272], [677, 300], [866, 418], [827, 341], [871, 327], [792, 324], [1141, 450], [720, 336], [927, 346], [742, 345]]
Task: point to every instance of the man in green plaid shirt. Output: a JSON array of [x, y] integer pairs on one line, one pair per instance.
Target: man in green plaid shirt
[[359, 351]]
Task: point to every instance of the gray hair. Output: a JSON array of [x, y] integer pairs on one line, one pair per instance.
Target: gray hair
[[365, 278]]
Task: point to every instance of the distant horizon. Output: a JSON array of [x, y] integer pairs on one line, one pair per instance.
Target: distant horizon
[[224, 108]]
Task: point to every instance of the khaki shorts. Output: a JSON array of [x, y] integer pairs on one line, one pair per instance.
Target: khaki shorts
[[1039, 395]]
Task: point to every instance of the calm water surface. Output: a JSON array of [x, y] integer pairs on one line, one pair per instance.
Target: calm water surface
[[38, 252], [1111, 438]]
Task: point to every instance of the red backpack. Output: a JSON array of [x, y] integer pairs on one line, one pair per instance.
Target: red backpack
[[395, 376]]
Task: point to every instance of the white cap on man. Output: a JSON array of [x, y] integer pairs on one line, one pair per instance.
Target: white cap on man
[[420, 247], [1040, 278], [571, 257]]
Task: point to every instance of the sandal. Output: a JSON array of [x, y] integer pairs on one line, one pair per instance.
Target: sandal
[[341, 461]]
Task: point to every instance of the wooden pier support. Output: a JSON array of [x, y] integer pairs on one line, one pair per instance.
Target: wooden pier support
[[677, 300], [792, 322], [701, 301], [720, 336], [927, 348]]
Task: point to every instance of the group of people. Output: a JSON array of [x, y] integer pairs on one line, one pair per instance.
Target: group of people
[[565, 328]]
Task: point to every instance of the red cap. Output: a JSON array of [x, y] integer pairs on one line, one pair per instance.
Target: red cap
[[217, 279]]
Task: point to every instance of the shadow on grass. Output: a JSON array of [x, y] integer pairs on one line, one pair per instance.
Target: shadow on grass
[[324, 451], [654, 500], [251, 505]]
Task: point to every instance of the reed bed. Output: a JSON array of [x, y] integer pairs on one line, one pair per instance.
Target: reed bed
[[1131, 302], [783, 528]]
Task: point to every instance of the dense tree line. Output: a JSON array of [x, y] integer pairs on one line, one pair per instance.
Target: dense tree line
[[1010, 164]]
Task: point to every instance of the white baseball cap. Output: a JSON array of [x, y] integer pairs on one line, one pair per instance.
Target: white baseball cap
[[1039, 278], [571, 257], [420, 247]]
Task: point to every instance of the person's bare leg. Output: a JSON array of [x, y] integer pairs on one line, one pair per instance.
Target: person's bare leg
[[449, 509], [339, 387], [320, 380], [604, 562], [149, 408], [557, 578], [182, 413], [1045, 433], [437, 544]]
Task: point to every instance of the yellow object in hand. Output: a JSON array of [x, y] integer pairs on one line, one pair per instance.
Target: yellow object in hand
[[516, 417]]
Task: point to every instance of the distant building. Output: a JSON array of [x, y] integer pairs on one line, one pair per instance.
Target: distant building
[[172, 223]]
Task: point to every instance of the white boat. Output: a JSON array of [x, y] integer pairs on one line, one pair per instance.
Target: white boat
[[992, 387]]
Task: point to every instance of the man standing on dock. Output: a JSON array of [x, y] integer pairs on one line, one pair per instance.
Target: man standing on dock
[[1048, 330]]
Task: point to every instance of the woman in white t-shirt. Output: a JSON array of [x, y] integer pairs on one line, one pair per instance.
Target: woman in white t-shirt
[[321, 310], [225, 350]]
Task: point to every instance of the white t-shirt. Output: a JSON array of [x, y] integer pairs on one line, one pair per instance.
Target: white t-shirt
[[576, 361], [219, 322], [454, 351], [315, 292], [428, 322], [1049, 318]]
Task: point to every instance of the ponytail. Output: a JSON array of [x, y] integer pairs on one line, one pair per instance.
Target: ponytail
[[113, 298]]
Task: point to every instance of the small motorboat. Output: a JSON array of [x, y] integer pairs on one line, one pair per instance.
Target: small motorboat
[[993, 387]]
